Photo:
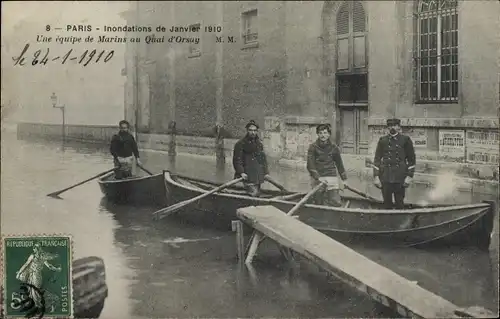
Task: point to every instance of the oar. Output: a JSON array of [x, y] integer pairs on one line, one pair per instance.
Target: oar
[[354, 190], [141, 167], [257, 237], [275, 183], [56, 194], [159, 214], [306, 198], [290, 196]]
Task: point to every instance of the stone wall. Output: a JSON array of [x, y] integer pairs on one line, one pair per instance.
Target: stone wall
[[286, 142], [474, 156], [83, 133]]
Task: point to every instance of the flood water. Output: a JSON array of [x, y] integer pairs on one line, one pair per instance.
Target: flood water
[[169, 269]]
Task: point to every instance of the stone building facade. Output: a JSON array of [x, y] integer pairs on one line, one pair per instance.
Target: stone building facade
[[291, 65]]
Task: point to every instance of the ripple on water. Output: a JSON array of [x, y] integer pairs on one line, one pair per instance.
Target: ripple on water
[[169, 269]]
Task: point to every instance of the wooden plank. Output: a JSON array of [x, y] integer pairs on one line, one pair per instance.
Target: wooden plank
[[237, 227], [379, 283]]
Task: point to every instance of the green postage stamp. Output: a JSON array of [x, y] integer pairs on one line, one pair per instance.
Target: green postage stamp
[[37, 276]]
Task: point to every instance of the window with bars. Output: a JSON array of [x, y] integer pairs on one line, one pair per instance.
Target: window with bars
[[437, 52], [195, 49], [250, 31]]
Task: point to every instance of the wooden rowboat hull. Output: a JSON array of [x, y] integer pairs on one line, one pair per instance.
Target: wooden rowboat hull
[[89, 287], [138, 191], [367, 224]]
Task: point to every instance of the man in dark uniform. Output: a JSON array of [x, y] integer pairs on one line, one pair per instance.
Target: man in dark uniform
[[249, 160], [124, 150], [324, 163], [394, 165]]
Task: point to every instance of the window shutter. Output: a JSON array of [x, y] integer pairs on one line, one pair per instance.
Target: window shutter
[[359, 20], [343, 54], [351, 38], [343, 19], [359, 52]]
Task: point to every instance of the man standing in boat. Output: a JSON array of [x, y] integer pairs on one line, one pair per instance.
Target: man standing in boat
[[249, 160], [394, 165], [324, 163], [125, 152]]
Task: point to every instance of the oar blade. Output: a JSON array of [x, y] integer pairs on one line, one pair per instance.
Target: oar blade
[[162, 213], [55, 195]]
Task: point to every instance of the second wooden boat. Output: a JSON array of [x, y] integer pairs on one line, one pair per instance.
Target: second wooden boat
[[360, 221], [89, 287]]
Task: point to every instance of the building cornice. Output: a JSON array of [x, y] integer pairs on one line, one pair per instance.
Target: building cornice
[[441, 122]]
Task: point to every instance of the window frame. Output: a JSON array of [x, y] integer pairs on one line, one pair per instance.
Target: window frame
[[251, 16], [438, 14], [350, 37], [197, 52], [354, 80], [352, 72]]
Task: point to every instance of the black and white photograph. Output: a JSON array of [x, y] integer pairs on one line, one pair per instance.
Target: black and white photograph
[[250, 159]]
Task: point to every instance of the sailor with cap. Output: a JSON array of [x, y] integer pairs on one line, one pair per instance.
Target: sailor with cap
[[394, 165], [249, 160]]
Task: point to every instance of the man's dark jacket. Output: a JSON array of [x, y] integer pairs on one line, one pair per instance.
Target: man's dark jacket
[[123, 145], [249, 158], [324, 159], [394, 158]]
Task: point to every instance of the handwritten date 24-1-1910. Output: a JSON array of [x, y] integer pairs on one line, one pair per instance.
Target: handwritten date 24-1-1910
[[39, 58]]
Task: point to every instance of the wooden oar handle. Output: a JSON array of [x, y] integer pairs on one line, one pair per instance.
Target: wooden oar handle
[[144, 169], [275, 183], [354, 190], [306, 198]]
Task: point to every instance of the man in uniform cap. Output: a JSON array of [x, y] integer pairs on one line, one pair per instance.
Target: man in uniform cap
[[249, 160], [324, 163], [394, 165]]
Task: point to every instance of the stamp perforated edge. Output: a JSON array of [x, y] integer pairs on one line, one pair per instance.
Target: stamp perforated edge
[[36, 235]]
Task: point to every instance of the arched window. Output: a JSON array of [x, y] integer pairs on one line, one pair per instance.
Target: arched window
[[352, 70], [437, 59], [351, 37]]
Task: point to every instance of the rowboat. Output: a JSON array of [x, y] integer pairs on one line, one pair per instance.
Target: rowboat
[[359, 221], [136, 191], [89, 287]]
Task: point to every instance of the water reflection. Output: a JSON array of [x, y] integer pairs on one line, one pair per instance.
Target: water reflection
[[172, 269], [186, 271]]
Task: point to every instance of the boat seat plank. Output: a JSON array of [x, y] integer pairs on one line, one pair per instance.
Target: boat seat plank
[[380, 283]]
